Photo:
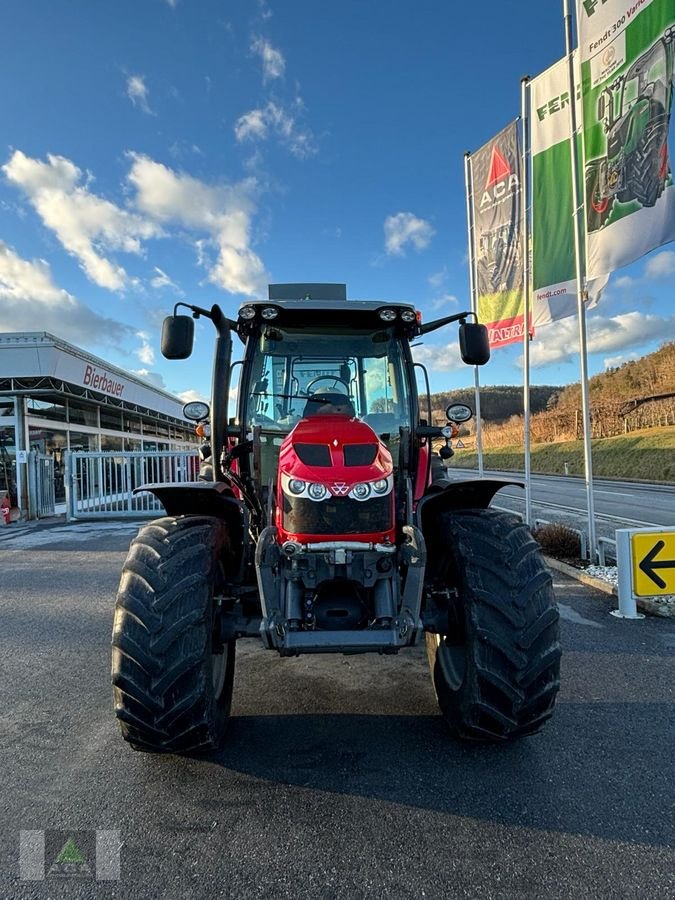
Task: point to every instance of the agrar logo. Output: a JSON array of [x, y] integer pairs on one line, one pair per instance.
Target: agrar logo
[[501, 181]]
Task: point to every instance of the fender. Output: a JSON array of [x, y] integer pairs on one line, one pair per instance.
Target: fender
[[201, 498], [473, 494]]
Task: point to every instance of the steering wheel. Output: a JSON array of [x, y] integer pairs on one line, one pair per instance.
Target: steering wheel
[[334, 378]]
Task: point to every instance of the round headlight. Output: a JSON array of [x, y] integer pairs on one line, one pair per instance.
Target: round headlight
[[408, 315], [296, 486], [380, 487], [361, 491], [247, 312], [387, 315], [317, 491], [269, 312]]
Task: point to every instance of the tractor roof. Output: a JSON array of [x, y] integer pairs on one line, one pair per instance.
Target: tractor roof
[[319, 298]]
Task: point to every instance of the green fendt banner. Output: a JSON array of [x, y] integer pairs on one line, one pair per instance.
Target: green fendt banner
[[554, 294], [554, 283], [497, 236], [626, 54]]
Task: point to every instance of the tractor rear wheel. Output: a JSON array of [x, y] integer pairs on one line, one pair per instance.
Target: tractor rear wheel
[[497, 677], [649, 163], [172, 675]]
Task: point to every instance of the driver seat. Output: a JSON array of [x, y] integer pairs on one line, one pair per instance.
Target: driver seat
[[329, 403]]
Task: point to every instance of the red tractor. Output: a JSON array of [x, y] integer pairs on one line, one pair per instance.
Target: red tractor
[[318, 526]]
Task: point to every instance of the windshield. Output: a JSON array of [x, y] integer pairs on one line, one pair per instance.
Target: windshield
[[290, 366]]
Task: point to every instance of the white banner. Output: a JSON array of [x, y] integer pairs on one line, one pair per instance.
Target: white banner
[[626, 53]]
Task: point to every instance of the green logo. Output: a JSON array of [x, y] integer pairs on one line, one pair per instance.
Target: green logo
[[70, 862]]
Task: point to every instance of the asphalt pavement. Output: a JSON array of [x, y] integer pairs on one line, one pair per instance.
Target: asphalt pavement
[[338, 779]]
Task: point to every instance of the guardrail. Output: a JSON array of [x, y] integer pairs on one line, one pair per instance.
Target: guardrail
[[100, 485]]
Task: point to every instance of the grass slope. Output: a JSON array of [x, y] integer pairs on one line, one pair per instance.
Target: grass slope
[[647, 455]]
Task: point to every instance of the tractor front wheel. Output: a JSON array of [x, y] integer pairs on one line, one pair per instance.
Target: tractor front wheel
[[172, 675], [497, 676]]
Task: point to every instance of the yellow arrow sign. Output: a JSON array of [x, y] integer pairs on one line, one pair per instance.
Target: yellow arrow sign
[[653, 556]]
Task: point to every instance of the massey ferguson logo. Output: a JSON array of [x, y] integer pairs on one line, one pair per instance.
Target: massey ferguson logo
[[340, 488], [501, 181]]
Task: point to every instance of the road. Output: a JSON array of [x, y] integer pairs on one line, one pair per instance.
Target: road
[[338, 779], [621, 504]]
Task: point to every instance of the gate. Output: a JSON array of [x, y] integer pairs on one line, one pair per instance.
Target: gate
[[100, 485], [41, 485]]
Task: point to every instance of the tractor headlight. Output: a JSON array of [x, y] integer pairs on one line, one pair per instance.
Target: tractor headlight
[[269, 312], [361, 491], [408, 315], [296, 486], [247, 313], [381, 486], [317, 491], [387, 315]]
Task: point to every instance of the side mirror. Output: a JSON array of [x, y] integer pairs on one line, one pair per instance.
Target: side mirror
[[177, 336], [474, 345]]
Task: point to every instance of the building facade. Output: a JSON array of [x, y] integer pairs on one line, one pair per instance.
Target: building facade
[[56, 397]]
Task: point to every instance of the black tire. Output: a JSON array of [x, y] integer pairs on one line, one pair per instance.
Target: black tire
[[597, 208], [172, 678], [498, 676], [649, 163]]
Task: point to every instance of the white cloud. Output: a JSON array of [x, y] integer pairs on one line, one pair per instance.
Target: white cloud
[[87, 225], [558, 342], [405, 228], [162, 280], [145, 352], [137, 92], [154, 378], [222, 211], [31, 301], [444, 300], [661, 265], [624, 281], [191, 395], [272, 119], [438, 279], [273, 61], [439, 359], [613, 362]]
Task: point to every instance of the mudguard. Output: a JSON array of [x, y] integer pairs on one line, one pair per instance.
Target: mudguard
[[201, 498], [473, 494]]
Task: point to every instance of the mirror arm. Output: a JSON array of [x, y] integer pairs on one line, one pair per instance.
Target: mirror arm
[[438, 323], [215, 314]]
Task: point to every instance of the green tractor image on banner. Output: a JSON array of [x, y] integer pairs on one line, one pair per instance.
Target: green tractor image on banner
[[635, 112]]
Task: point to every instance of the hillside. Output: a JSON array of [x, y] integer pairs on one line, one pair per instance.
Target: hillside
[[639, 394]]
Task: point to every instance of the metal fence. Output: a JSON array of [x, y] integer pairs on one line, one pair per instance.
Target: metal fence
[[101, 485]]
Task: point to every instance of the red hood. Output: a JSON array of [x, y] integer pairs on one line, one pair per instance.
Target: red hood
[[334, 433]]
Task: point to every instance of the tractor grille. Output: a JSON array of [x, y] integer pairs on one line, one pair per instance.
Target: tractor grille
[[339, 515]]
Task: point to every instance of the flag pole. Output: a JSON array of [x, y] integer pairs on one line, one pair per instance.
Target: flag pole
[[524, 199], [468, 181], [579, 232]]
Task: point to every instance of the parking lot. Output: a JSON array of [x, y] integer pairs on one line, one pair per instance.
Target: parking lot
[[338, 779]]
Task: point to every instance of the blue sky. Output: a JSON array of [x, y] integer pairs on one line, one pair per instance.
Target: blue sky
[[160, 150]]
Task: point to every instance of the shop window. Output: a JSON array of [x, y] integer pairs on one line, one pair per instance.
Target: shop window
[[6, 407], [82, 441], [8, 464], [111, 443], [133, 444], [111, 418], [46, 409], [132, 424], [80, 414]]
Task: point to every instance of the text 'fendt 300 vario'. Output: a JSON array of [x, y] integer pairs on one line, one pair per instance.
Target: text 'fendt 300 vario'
[[317, 524]]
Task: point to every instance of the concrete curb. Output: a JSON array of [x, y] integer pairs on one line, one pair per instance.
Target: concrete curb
[[651, 606], [577, 574]]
